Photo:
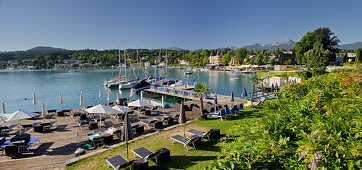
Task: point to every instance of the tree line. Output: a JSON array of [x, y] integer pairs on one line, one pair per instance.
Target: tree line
[[47, 59], [316, 50]]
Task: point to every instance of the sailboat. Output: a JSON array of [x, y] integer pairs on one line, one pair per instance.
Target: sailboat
[[115, 81], [124, 83]]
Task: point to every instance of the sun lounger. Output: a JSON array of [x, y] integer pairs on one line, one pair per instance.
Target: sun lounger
[[75, 114], [52, 123], [118, 162], [30, 143], [148, 122], [6, 143], [222, 113], [200, 133], [240, 106], [82, 122], [145, 153], [185, 141]]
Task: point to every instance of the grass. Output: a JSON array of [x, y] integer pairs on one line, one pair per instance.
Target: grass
[[180, 158]]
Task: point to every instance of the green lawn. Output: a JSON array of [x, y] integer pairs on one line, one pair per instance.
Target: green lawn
[[180, 158]]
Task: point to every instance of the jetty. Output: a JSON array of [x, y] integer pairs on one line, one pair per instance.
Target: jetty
[[187, 94]]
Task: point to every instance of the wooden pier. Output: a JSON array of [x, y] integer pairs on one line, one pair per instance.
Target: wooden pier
[[221, 99]]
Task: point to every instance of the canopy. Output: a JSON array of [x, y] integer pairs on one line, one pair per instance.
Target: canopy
[[139, 103], [81, 98], [3, 108], [127, 133], [163, 102], [19, 115], [182, 118], [121, 109], [60, 98], [232, 96], [117, 100], [215, 99], [244, 93], [101, 109]]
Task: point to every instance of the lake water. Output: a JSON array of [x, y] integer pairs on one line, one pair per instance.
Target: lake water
[[17, 87]]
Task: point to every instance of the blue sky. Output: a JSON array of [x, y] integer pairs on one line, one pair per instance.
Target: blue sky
[[190, 24]]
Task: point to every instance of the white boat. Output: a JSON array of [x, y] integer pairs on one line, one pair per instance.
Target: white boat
[[127, 84]]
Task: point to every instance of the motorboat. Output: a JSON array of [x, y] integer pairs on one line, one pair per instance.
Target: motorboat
[[188, 72], [234, 78]]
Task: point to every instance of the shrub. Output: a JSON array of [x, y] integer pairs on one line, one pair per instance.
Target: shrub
[[317, 124]]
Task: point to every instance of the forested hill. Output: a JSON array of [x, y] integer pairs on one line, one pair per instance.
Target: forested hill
[[45, 48], [47, 58]]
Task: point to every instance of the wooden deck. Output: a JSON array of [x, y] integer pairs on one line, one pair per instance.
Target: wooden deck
[[221, 99]]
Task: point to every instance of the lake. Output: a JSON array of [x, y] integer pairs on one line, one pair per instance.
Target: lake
[[17, 87]]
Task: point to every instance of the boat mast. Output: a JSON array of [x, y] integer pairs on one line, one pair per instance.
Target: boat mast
[[138, 69], [166, 64], [119, 62], [124, 55]]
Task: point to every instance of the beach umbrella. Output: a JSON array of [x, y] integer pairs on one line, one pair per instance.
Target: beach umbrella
[[117, 100], [61, 99], [232, 97], [163, 102], [101, 109], [20, 115], [139, 103], [182, 118], [276, 87], [301, 80], [109, 96], [43, 111], [244, 93], [81, 98], [3, 108], [215, 102], [132, 93], [127, 133], [121, 109], [34, 101], [272, 87], [100, 95]]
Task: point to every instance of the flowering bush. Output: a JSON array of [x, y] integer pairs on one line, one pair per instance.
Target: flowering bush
[[317, 124]]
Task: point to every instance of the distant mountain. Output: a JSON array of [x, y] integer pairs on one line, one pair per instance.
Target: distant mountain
[[284, 44], [175, 48], [352, 46], [45, 48]]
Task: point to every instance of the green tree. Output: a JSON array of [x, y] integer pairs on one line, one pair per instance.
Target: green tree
[[200, 89], [288, 62], [272, 62], [240, 53], [226, 59], [324, 35], [251, 61], [318, 59], [359, 56], [259, 59]]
